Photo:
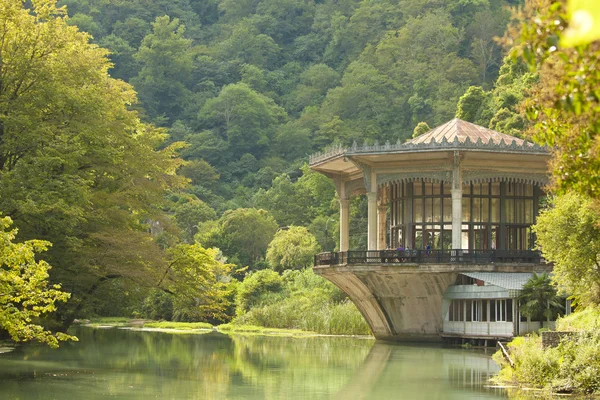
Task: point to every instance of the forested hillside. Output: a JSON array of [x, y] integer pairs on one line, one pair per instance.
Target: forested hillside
[[244, 90], [253, 87]]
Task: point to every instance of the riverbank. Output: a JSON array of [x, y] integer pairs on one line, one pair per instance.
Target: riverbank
[[571, 367]]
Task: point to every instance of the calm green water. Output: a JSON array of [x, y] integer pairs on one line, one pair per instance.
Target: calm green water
[[124, 364]]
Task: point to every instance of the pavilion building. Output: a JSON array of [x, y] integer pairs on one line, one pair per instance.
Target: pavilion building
[[460, 198]]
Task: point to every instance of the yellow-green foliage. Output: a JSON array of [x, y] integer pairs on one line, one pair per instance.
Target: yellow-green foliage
[[178, 325], [301, 300], [574, 366], [587, 319], [231, 328], [25, 293], [534, 366]]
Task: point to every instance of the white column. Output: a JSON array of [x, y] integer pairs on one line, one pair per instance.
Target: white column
[[456, 204], [456, 219], [381, 227], [372, 221], [344, 224]]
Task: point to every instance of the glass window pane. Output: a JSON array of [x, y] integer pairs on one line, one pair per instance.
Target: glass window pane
[[428, 210], [464, 239], [437, 189], [529, 211], [530, 239], [437, 210], [417, 188], [485, 189], [466, 209], [466, 189], [418, 237], [476, 209], [528, 190], [447, 237], [469, 312], [447, 189], [428, 189], [447, 209], [435, 239], [519, 211], [516, 189], [418, 210], [480, 237], [496, 210], [496, 189], [485, 210], [477, 188], [484, 307], [509, 210]]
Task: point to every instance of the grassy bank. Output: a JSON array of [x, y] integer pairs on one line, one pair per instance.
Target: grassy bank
[[260, 330], [297, 300], [572, 367], [177, 325]]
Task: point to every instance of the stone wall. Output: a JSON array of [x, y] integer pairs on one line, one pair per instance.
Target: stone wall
[[553, 338]]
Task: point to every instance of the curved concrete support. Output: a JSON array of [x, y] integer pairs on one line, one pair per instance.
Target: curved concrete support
[[412, 302], [364, 300]]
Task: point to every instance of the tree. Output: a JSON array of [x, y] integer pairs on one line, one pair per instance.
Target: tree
[[25, 294], [243, 235], [247, 45], [255, 287], [244, 118], [197, 279], [167, 63], [539, 299], [565, 105], [569, 237], [189, 214], [121, 55], [285, 201], [292, 248], [77, 166], [472, 105], [420, 129]]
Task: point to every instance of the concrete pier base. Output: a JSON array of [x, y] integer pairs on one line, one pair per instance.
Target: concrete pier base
[[404, 302]]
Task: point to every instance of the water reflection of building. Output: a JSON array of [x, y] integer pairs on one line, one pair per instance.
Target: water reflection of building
[[422, 372], [459, 199]]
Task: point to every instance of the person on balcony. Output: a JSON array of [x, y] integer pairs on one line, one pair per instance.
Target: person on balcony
[[400, 251]]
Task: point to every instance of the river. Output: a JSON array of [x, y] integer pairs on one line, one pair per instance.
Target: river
[[127, 364]]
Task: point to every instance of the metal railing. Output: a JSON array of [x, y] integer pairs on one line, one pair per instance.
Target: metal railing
[[429, 257]]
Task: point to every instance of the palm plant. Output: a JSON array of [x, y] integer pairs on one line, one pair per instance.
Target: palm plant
[[539, 299]]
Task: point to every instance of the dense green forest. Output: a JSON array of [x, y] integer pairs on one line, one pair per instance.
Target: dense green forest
[[166, 168], [254, 87]]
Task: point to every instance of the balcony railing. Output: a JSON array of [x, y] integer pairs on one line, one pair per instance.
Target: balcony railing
[[429, 257]]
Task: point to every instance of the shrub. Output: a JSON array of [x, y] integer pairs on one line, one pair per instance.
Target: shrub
[[158, 305], [574, 366], [260, 287], [302, 300]]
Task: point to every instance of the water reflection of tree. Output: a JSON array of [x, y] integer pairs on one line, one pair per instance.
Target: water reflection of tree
[[283, 366], [134, 364], [139, 365]]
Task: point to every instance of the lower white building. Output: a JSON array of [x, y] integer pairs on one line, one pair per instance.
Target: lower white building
[[484, 305]]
